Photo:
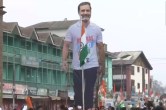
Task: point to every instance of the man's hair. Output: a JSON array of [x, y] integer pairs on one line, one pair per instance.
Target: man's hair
[[83, 3]]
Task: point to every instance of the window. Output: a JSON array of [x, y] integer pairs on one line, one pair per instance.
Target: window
[[50, 49], [39, 75], [29, 75], [23, 43], [132, 70], [116, 70], [54, 51], [146, 86], [39, 48], [49, 74], [10, 41], [132, 82], [22, 74], [54, 77], [17, 41], [10, 71], [34, 46], [138, 69], [44, 49], [58, 52], [45, 76], [58, 79], [143, 70], [34, 75], [28, 45], [146, 71], [4, 70], [138, 85], [5, 38]]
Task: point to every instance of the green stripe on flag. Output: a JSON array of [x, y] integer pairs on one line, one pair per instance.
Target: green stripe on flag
[[83, 55]]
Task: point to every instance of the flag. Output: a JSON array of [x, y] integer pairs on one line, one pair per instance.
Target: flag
[[139, 92], [145, 89], [102, 90], [103, 87], [151, 93], [83, 46], [144, 92], [100, 97], [29, 102], [102, 93], [120, 96], [114, 89]]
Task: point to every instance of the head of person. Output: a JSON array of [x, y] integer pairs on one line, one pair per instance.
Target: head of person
[[160, 103], [84, 11]]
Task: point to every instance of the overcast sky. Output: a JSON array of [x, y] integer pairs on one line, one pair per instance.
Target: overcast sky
[[130, 25]]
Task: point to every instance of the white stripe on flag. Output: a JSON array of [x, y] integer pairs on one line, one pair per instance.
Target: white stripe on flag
[[83, 46]]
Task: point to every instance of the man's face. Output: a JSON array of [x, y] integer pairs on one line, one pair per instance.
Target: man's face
[[85, 13]]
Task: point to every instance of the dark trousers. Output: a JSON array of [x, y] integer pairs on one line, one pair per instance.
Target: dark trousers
[[90, 76]]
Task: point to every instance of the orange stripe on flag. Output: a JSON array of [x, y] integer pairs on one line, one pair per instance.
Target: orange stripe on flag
[[82, 29], [114, 88], [29, 102]]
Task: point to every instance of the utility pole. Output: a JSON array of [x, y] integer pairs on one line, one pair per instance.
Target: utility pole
[[14, 78], [121, 71], [1, 52]]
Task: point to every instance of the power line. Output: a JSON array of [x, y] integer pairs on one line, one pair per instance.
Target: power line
[[157, 58]]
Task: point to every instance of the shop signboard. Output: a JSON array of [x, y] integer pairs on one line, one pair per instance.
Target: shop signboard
[[52, 93], [42, 91], [20, 89], [7, 88], [30, 91]]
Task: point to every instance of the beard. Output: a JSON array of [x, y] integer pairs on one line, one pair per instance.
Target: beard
[[85, 18]]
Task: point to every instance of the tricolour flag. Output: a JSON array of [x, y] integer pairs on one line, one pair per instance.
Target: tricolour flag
[[83, 46], [103, 88], [120, 96], [29, 102], [114, 89]]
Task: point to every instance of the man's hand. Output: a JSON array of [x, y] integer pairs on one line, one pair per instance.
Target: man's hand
[[65, 66], [101, 54], [65, 52]]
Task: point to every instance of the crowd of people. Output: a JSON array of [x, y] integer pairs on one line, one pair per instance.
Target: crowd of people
[[141, 105]]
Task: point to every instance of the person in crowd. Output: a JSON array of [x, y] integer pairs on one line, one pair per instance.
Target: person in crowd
[[159, 107]]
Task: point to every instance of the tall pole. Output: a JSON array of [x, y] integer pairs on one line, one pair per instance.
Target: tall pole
[[1, 54], [83, 90], [121, 71], [14, 78], [165, 12]]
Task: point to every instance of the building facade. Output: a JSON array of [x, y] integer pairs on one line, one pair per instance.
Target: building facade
[[131, 73]]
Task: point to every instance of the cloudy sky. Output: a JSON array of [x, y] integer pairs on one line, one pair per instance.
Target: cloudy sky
[[130, 25]]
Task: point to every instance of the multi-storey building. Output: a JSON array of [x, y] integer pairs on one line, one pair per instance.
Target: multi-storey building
[[32, 64], [131, 73]]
